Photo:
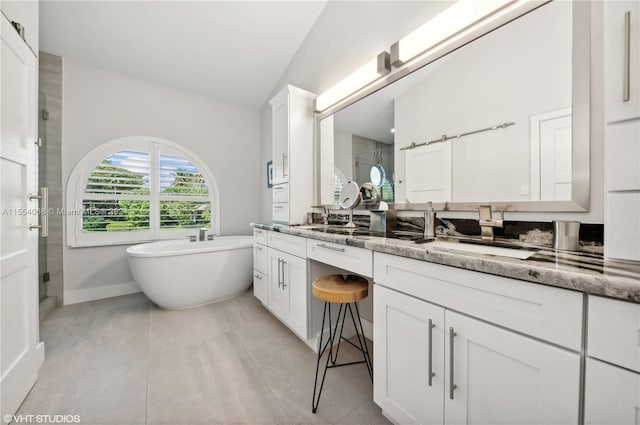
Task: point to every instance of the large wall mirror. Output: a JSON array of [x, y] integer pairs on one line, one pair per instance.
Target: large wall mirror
[[502, 120]]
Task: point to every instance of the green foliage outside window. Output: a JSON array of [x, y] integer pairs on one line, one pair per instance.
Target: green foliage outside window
[[133, 214]]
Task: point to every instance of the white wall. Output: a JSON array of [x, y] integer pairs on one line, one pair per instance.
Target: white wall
[[347, 34], [99, 106]]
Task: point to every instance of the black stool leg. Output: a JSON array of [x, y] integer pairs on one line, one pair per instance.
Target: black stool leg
[[333, 334], [344, 314], [363, 344], [321, 350]]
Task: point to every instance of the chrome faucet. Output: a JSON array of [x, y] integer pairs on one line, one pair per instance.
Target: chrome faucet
[[487, 223], [429, 222], [325, 215], [202, 234]]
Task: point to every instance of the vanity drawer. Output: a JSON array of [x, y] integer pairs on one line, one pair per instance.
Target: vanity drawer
[[260, 287], [281, 192], [350, 258], [551, 314], [260, 258], [614, 332], [294, 245], [281, 212], [260, 236]]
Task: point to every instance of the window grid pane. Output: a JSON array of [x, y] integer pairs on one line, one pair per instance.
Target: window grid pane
[[124, 172], [178, 176], [184, 214], [113, 215]]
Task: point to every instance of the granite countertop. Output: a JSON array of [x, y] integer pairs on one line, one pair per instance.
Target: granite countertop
[[579, 271]]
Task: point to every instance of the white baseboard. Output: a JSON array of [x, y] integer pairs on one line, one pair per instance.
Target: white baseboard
[[100, 292]]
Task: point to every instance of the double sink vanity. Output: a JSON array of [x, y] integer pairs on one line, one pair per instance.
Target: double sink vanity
[[467, 331]]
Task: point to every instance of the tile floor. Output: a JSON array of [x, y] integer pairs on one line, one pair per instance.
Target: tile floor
[[124, 361]]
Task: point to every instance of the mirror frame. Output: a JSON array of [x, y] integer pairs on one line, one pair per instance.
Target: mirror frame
[[580, 125]]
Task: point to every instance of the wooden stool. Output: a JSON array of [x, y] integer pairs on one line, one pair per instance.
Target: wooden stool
[[346, 291]]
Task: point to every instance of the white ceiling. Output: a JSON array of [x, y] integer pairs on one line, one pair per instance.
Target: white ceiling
[[233, 51]]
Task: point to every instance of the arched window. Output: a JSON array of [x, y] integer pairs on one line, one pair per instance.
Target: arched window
[[138, 189]]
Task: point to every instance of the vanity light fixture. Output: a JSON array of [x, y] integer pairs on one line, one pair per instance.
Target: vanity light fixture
[[456, 24], [362, 77]]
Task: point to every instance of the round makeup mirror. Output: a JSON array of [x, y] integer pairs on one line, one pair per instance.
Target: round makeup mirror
[[369, 193], [350, 195], [377, 175]]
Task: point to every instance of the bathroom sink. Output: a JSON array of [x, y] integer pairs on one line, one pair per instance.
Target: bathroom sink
[[500, 249]]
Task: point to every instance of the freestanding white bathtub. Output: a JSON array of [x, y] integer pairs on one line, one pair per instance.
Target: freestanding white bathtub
[[180, 274]]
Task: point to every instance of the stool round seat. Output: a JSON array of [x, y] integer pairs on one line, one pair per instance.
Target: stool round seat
[[336, 288]]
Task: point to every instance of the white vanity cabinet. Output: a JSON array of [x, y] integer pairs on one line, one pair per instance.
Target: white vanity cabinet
[[443, 319], [612, 395], [260, 266], [496, 376], [612, 388], [622, 132], [409, 346], [292, 154], [288, 290], [281, 280]]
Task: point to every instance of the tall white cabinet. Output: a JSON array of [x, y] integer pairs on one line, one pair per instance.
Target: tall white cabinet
[[292, 147], [622, 132]]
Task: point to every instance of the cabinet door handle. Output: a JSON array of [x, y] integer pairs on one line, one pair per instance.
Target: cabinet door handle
[[430, 364], [284, 158], [626, 95], [257, 276], [284, 285], [321, 245], [452, 386], [279, 274]]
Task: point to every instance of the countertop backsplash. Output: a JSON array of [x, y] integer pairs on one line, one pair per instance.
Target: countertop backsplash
[[538, 233]]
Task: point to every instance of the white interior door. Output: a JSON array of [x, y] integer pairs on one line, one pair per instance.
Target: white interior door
[[20, 352], [551, 154]]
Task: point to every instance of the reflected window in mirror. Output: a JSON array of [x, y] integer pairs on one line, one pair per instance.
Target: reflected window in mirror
[[339, 180]]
